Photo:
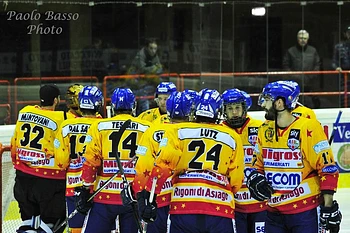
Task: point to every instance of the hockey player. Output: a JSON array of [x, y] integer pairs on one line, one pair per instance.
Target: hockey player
[[195, 98], [179, 106], [294, 167], [69, 147], [207, 162], [250, 214], [72, 101], [101, 151], [163, 91], [40, 183]]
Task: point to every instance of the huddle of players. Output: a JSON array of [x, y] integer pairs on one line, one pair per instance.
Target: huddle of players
[[194, 172]]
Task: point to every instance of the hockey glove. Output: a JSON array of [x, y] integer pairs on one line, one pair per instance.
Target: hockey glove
[[330, 217], [147, 209], [82, 195], [127, 195], [258, 186]]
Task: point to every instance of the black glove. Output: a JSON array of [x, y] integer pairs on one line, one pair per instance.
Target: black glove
[[258, 186], [330, 217], [127, 195], [82, 195], [147, 210]]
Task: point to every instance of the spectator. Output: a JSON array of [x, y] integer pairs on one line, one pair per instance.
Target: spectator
[[93, 60], [341, 57], [302, 57], [341, 54], [147, 60]]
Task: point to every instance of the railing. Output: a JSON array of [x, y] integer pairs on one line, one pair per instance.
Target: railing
[[70, 79], [178, 79], [277, 73]]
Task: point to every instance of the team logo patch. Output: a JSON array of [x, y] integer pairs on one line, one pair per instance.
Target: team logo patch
[[158, 135], [269, 133], [294, 139], [252, 135]]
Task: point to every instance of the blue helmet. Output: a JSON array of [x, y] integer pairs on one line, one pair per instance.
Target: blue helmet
[[288, 90], [248, 99], [90, 97], [209, 105], [179, 105], [165, 88], [123, 99], [193, 94], [233, 96]]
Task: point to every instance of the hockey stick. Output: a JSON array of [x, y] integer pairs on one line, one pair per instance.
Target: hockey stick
[[151, 196], [335, 126], [125, 182], [118, 137]]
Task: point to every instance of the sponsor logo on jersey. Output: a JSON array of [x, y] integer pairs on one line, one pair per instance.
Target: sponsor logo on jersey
[[243, 196], [296, 114], [44, 162], [111, 166], [284, 158], [158, 135], [301, 190], [163, 142], [281, 154], [330, 169], [320, 146], [294, 139], [252, 135], [77, 163], [74, 179], [212, 194], [284, 180], [141, 150], [269, 133], [30, 155]]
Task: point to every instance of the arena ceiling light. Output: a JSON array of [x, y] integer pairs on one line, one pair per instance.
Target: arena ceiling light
[[258, 11]]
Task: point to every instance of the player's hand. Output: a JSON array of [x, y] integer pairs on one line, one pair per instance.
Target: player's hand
[[147, 209], [258, 186], [127, 195], [330, 217], [82, 195]]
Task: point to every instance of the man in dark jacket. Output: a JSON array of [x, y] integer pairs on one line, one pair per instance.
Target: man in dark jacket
[[303, 57]]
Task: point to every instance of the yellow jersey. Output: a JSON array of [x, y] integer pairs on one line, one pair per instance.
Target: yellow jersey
[[299, 165], [32, 144]]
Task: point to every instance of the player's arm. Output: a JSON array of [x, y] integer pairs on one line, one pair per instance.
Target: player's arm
[[259, 188], [13, 145], [61, 149], [145, 160], [93, 155], [320, 156], [169, 156], [236, 168]]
